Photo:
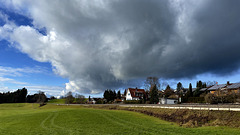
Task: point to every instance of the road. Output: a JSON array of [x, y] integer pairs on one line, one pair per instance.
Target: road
[[220, 107]]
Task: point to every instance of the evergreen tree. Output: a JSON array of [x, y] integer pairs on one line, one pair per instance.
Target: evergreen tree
[[190, 90], [125, 92], [199, 84], [154, 99], [119, 95], [168, 91], [110, 95], [204, 85], [179, 87], [114, 95]]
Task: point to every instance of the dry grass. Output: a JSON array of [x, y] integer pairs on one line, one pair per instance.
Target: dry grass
[[187, 118]]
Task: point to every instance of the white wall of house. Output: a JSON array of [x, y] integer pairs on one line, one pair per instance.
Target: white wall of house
[[128, 95], [167, 101]]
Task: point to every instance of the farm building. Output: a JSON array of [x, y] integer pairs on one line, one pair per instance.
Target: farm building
[[135, 94]]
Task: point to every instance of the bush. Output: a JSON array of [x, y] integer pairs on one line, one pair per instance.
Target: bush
[[214, 99], [196, 99], [99, 102], [132, 102]]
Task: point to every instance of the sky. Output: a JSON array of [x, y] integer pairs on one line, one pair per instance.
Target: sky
[[89, 46]]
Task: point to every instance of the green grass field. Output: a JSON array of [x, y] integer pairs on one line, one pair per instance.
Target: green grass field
[[24, 119], [57, 101]]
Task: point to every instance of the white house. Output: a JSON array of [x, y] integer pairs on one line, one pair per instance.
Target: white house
[[135, 94]]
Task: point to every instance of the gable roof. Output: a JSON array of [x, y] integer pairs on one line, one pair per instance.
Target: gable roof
[[136, 90], [233, 86], [225, 86], [219, 86], [203, 89]]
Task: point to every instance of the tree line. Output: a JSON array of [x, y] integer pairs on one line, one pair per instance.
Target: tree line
[[111, 95], [78, 99], [20, 96]]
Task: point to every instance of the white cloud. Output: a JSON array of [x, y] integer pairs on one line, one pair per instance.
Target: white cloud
[[9, 80], [4, 89], [8, 74], [9, 71]]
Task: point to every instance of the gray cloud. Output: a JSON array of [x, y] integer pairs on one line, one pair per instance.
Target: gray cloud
[[113, 44]]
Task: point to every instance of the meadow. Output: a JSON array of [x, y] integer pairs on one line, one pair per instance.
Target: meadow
[[24, 119]]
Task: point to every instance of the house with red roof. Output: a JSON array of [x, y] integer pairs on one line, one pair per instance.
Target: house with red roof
[[135, 94]]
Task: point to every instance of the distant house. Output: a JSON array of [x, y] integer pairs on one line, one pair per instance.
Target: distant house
[[233, 88], [216, 87], [91, 101], [185, 90], [135, 94], [224, 88]]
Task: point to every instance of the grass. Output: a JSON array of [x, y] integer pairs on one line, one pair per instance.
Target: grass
[[57, 101], [52, 119]]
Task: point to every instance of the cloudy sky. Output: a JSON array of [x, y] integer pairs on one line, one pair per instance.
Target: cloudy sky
[[88, 46]]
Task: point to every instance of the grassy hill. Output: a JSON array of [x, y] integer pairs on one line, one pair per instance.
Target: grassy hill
[[57, 101], [52, 119]]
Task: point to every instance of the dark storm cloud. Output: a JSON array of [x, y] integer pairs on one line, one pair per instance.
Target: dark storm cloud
[[216, 39], [213, 48]]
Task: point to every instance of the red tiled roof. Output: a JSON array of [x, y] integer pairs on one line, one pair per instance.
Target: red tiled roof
[[133, 91]]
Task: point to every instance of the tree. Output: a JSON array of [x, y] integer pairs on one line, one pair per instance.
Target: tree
[[69, 98], [52, 97], [209, 83], [114, 95], [154, 98], [119, 95], [80, 99], [190, 90], [125, 92], [18, 96], [41, 97], [200, 85], [188, 94], [144, 98], [204, 85], [109, 95], [168, 91], [179, 87], [151, 82]]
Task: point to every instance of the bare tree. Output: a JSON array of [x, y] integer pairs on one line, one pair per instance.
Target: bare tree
[[151, 82], [80, 99], [211, 83]]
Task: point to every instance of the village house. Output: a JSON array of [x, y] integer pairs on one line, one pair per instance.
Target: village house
[[228, 88], [135, 94]]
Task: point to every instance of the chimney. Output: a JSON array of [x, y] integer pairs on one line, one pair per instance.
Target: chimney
[[228, 83]]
